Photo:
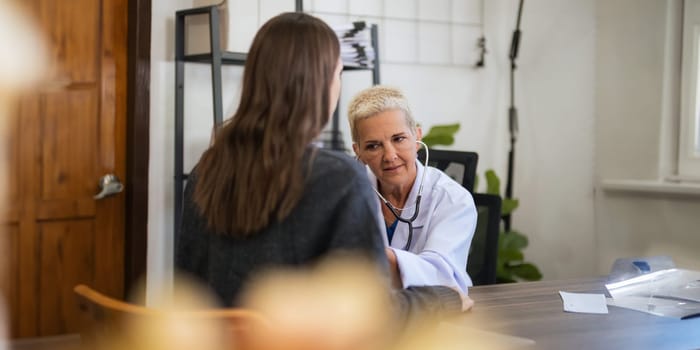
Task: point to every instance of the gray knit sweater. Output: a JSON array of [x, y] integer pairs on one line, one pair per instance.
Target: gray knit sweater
[[335, 213]]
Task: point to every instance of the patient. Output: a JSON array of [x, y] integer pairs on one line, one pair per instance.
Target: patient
[[262, 196]]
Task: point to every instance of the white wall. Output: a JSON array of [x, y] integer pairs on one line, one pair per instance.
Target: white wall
[[554, 170], [160, 184], [555, 84], [635, 125]]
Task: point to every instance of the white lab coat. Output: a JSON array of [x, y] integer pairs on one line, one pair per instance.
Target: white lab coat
[[442, 232]]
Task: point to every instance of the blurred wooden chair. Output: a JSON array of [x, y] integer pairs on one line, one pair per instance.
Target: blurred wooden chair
[[109, 324]]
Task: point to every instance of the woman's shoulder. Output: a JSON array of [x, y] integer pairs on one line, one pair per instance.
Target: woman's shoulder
[[329, 161], [335, 171]]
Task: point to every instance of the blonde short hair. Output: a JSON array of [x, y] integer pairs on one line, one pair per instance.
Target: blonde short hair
[[374, 100]]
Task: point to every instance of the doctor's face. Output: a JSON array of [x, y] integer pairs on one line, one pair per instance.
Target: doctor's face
[[388, 146]]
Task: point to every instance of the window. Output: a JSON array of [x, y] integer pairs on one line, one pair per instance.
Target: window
[[689, 133]]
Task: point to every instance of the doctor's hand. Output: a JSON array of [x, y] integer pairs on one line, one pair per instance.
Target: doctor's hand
[[467, 302], [394, 268]]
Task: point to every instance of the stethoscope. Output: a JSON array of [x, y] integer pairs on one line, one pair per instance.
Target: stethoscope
[[396, 211]]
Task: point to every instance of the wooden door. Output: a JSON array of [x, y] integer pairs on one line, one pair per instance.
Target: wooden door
[[66, 136]]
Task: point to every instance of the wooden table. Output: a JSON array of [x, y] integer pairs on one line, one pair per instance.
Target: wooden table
[[534, 310]]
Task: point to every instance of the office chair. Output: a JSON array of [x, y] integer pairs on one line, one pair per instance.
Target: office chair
[[110, 324], [483, 253], [459, 165]]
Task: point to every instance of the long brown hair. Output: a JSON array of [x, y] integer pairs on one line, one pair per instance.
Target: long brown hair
[[253, 172]]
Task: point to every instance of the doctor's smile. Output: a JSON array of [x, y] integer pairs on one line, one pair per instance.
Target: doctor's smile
[[394, 168]]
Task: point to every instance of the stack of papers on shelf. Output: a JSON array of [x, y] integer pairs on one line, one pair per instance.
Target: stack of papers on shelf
[[356, 48], [670, 292]]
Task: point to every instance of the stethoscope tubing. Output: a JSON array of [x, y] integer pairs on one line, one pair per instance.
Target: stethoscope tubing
[[394, 210]]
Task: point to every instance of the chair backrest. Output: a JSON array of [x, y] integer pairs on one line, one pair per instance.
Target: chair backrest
[[459, 165], [483, 254], [109, 323]]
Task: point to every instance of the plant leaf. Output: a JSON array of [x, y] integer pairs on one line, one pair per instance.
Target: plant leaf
[[438, 139], [512, 240], [527, 271], [441, 135], [505, 278], [508, 205], [449, 129], [506, 256], [493, 183], [510, 264], [503, 274]]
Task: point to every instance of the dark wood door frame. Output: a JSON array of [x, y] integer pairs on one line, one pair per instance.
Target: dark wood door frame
[[137, 141]]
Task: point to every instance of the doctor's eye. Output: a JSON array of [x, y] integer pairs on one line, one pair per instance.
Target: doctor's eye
[[371, 147], [399, 139]]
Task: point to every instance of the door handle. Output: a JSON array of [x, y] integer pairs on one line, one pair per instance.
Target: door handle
[[109, 185]]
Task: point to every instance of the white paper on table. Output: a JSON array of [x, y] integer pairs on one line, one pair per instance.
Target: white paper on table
[[584, 303]]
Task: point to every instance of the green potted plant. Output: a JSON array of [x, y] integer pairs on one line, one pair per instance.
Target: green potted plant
[[511, 265]]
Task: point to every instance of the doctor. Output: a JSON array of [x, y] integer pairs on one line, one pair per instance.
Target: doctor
[[429, 219]]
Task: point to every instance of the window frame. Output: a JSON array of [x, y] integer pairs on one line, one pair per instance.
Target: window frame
[[688, 138]]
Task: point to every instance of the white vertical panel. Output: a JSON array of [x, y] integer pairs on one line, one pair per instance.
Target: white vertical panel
[[202, 3], [353, 83], [401, 8], [307, 5], [465, 49], [688, 156], [434, 10], [332, 19], [399, 41], [467, 11], [330, 6], [434, 43], [242, 18], [271, 8], [366, 7]]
